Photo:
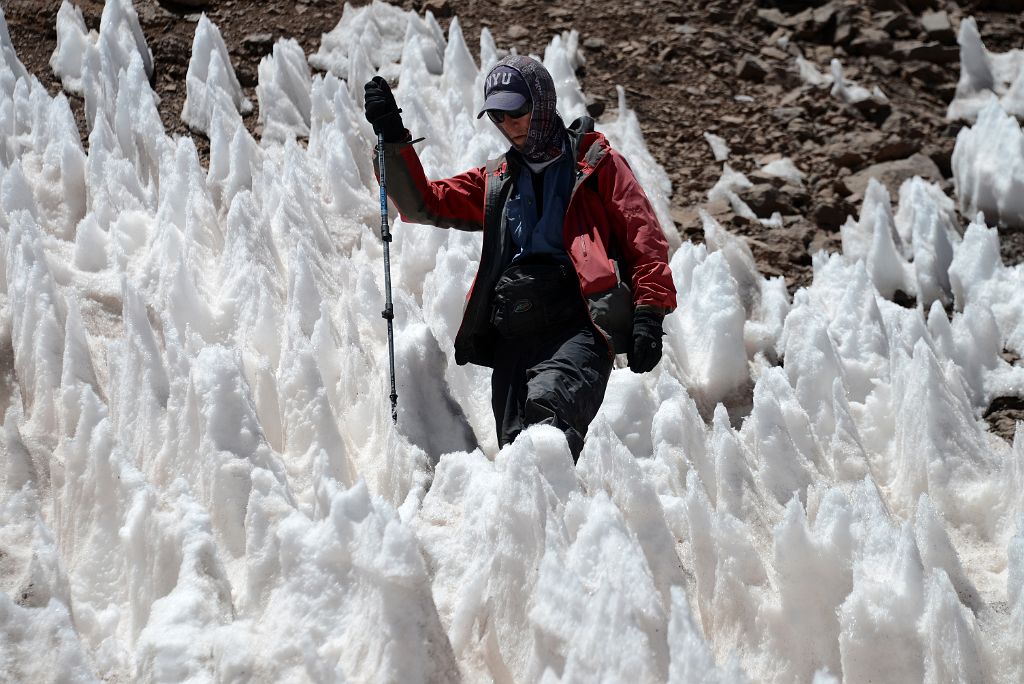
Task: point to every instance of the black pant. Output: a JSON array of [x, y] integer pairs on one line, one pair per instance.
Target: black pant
[[555, 378]]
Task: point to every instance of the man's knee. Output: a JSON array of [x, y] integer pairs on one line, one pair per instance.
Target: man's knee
[[541, 410], [548, 397], [549, 402]]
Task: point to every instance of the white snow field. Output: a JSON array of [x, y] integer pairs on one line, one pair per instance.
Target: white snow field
[[200, 480]]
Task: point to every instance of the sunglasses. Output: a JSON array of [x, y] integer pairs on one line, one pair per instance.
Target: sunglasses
[[498, 116]]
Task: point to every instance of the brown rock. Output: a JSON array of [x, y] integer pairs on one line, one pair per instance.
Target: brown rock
[[896, 24], [823, 54], [806, 29], [896, 149], [1003, 415], [886, 67], [798, 229], [823, 16], [938, 27], [871, 41], [926, 72], [843, 33], [719, 209], [785, 114], [1001, 5], [759, 177], [826, 240], [775, 17], [687, 219], [439, 8], [942, 154], [247, 76], [798, 197], [775, 53], [793, 96], [765, 199], [258, 43], [751, 68], [835, 189], [843, 156], [936, 53], [892, 174], [801, 129], [868, 140], [832, 214], [894, 128], [874, 110]]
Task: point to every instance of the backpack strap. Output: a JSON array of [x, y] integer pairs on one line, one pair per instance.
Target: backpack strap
[[496, 182], [594, 155], [494, 164], [577, 129]]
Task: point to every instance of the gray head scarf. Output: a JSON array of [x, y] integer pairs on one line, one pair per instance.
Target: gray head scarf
[[547, 131]]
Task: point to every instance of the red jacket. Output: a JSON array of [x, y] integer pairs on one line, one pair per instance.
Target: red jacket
[[607, 208]]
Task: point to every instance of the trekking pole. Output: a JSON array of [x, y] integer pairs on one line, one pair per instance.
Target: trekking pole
[[389, 309]]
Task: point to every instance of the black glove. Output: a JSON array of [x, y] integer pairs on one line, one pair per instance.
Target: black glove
[[382, 111], [647, 332]]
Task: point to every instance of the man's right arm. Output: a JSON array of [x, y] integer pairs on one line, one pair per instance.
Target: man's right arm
[[456, 202]]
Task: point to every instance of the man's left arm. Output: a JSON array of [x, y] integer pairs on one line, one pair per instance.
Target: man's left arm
[[638, 233], [636, 230]]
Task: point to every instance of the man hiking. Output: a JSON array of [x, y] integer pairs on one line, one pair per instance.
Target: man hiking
[[574, 265]]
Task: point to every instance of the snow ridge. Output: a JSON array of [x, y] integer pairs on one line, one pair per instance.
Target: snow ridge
[[201, 481]]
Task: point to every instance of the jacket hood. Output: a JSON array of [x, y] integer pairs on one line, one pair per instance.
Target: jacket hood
[[545, 139]]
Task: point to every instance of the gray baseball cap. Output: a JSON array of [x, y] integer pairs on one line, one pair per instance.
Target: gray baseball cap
[[505, 90]]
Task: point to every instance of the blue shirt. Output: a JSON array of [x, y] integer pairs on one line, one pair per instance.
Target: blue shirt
[[540, 232]]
